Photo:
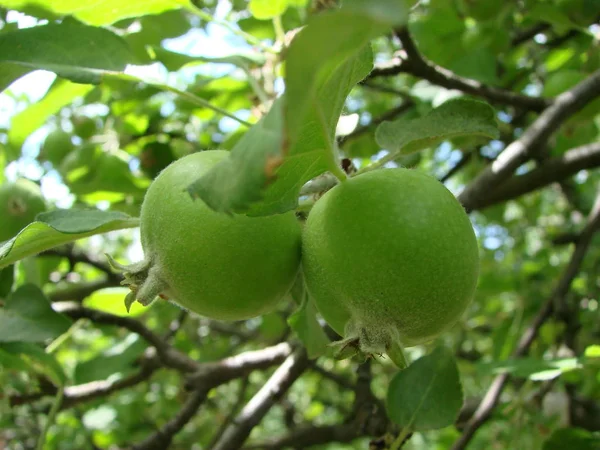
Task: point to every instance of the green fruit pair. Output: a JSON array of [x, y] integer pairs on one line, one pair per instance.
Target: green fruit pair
[[389, 257]]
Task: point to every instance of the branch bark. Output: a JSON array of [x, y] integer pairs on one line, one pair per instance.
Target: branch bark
[[79, 291], [307, 436], [77, 256], [236, 434], [523, 148], [88, 391], [237, 366], [550, 171], [415, 64]]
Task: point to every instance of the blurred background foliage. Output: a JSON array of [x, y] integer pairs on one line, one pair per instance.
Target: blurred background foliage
[[102, 145]]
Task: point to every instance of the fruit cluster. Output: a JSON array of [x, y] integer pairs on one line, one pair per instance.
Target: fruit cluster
[[389, 257]]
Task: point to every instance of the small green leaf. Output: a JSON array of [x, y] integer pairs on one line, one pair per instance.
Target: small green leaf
[[110, 300], [93, 12], [532, 368], [592, 351], [427, 395], [28, 317], [267, 9], [7, 277], [306, 326], [456, 117], [174, 61], [10, 73], [58, 227], [79, 53], [35, 359], [117, 359], [572, 438]]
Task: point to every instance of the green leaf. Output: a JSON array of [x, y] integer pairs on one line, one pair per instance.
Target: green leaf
[[58, 227], [559, 82], [93, 12], [118, 359], [294, 142], [7, 277], [79, 53], [306, 326], [427, 395], [546, 12], [592, 351], [3, 156], [62, 93], [456, 117], [267, 9], [237, 181], [572, 438], [110, 300], [10, 361], [532, 368], [34, 358], [104, 172], [28, 317], [174, 61], [10, 73], [332, 44]]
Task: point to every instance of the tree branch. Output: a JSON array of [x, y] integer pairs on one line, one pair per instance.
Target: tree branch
[[167, 354], [254, 411], [415, 64], [550, 171], [391, 114], [368, 418], [523, 148], [88, 391], [528, 33], [464, 159], [237, 366], [309, 435], [79, 291], [77, 256], [232, 413], [492, 396], [163, 437]]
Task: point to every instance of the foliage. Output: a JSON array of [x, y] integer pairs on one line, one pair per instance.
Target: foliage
[[498, 100]]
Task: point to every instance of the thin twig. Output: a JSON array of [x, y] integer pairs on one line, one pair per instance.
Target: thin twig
[[167, 354], [388, 115], [162, 438], [241, 394], [77, 292], [415, 64], [77, 256], [79, 393], [464, 159]]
